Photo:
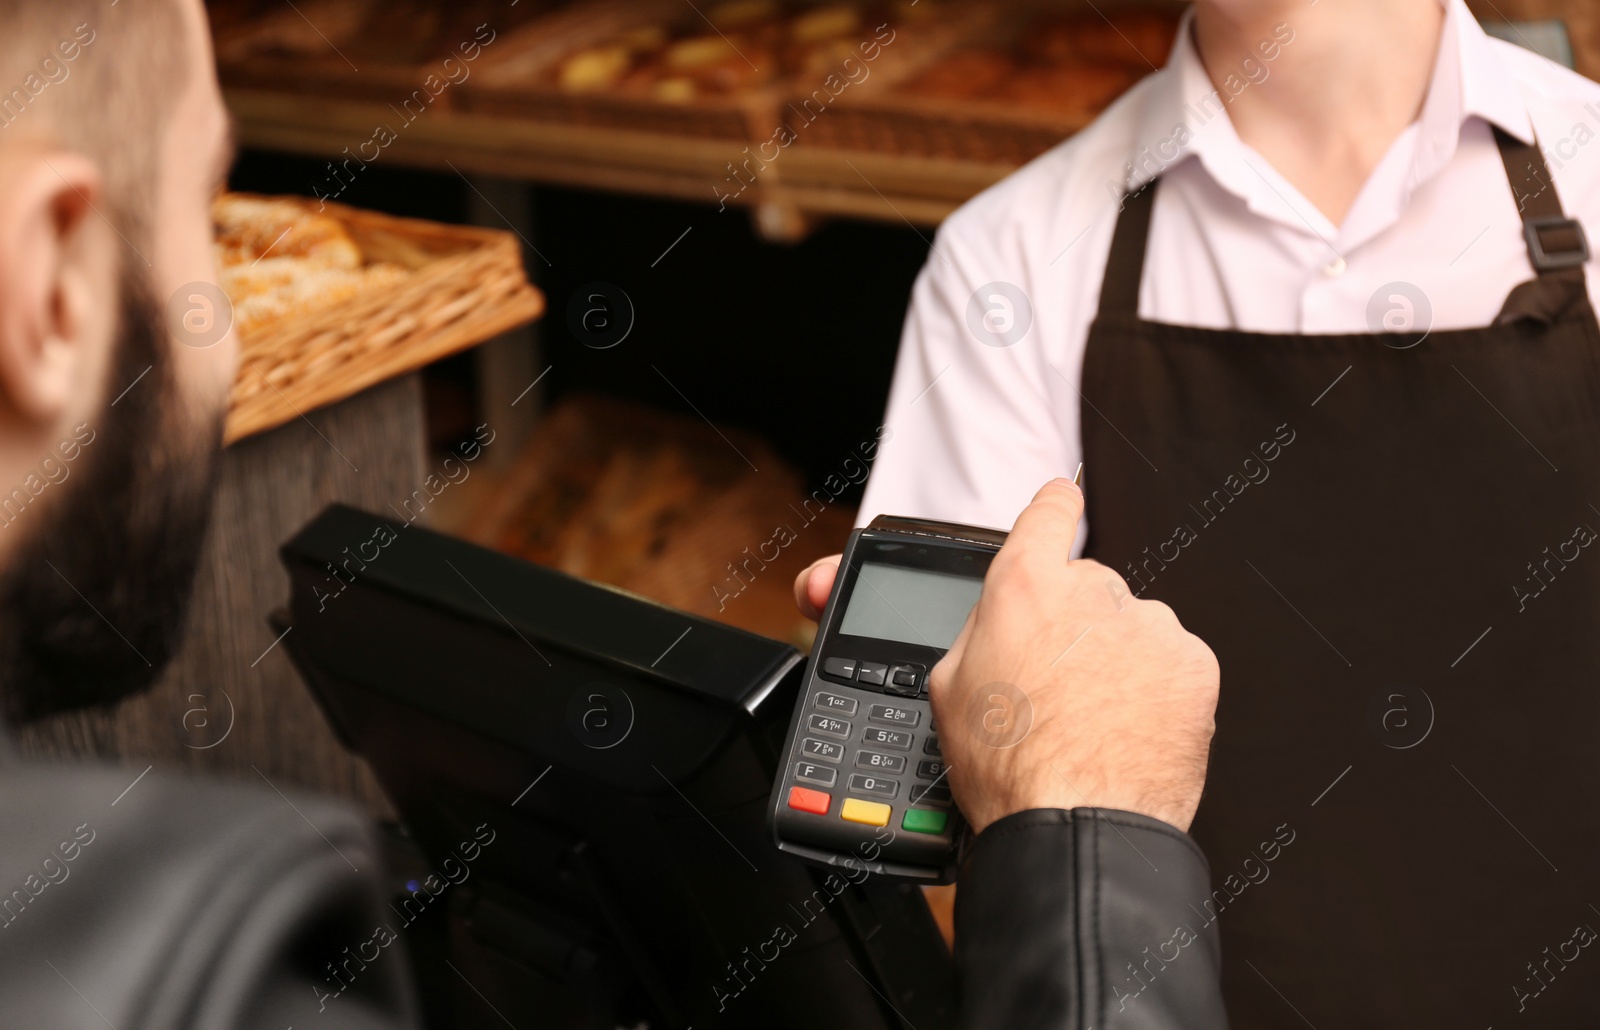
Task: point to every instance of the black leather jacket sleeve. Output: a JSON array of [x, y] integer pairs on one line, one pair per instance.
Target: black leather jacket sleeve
[[1088, 919], [146, 901]]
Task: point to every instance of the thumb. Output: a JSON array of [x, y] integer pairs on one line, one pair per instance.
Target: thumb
[[812, 587]]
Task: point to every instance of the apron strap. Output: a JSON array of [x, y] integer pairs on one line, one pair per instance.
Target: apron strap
[[1119, 289], [1556, 243]]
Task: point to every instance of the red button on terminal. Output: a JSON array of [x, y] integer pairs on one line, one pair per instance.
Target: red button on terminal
[[814, 801]]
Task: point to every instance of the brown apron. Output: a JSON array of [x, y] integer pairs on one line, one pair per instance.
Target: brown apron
[[1387, 544]]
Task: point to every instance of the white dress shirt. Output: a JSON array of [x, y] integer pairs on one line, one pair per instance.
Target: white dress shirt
[[976, 424]]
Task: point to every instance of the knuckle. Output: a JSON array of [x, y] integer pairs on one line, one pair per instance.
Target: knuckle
[[1107, 587], [1157, 614], [1015, 573], [1198, 655], [1003, 567], [1089, 565]]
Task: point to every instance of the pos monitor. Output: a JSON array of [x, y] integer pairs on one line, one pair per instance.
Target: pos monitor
[[588, 773]]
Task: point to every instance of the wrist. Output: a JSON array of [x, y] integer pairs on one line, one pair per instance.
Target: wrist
[[1059, 793], [1027, 818]]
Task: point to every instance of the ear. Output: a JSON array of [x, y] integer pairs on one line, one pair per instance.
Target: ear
[[53, 267]]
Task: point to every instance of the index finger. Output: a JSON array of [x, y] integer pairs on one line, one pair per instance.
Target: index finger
[[1049, 523]]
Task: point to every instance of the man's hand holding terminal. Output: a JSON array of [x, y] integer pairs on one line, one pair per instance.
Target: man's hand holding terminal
[[1063, 690], [1076, 723]]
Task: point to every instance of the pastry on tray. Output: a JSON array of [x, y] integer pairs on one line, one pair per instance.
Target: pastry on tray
[[1066, 65], [738, 46], [279, 259]]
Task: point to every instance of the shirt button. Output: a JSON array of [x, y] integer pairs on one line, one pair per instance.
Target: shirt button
[[1335, 268]]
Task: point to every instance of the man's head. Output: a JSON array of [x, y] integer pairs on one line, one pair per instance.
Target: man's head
[[113, 140]]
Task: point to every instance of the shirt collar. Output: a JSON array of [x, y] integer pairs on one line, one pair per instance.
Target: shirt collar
[[1487, 89], [1469, 81], [1186, 115], [1181, 106]]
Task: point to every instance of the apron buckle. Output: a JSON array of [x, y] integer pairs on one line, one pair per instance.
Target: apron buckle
[[1555, 242]]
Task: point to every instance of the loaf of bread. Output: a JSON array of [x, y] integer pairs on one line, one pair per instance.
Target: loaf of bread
[[277, 260]]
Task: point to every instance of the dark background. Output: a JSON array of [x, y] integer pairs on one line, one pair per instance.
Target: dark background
[[795, 342]]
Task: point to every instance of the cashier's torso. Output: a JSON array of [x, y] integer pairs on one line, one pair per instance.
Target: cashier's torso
[[1385, 539]]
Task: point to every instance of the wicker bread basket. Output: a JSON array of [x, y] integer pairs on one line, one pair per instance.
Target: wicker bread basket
[[466, 285]]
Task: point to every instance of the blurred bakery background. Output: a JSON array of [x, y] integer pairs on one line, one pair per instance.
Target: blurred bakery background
[[751, 185], [723, 205], [611, 285]]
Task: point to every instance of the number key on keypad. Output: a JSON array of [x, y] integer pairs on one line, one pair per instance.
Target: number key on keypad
[[875, 785], [882, 763], [930, 769], [828, 726], [894, 715], [822, 749], [900, 740], [836, 704]]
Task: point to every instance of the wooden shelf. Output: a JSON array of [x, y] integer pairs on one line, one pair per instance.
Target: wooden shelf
[[810, 180], [804, 183]]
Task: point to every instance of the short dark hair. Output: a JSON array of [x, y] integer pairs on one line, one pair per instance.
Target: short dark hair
[[100, 79]]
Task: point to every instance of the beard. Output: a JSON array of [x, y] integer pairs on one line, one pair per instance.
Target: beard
[[95, 601]]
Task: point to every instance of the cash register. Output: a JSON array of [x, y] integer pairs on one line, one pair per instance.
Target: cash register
[[619, 756]]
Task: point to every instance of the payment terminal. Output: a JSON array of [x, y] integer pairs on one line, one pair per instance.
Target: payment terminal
[[864, 782]]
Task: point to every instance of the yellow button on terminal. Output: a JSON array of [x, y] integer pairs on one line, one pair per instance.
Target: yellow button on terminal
[[870, 813]]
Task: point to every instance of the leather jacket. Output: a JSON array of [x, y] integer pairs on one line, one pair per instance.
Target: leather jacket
[[149, 902], [1088, 919]]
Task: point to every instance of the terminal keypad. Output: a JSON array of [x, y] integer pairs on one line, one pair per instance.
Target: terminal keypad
[[892, 755]]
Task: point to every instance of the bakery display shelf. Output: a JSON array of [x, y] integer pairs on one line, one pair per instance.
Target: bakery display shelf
[[382, 50], [461, 285], [592, 93], [811, 180], [1014, 86], [727, 72]]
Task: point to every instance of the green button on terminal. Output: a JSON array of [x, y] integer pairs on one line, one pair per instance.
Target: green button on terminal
[[918, 821]]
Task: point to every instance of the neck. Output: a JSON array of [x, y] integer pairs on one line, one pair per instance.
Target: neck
[[1353, 75]]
